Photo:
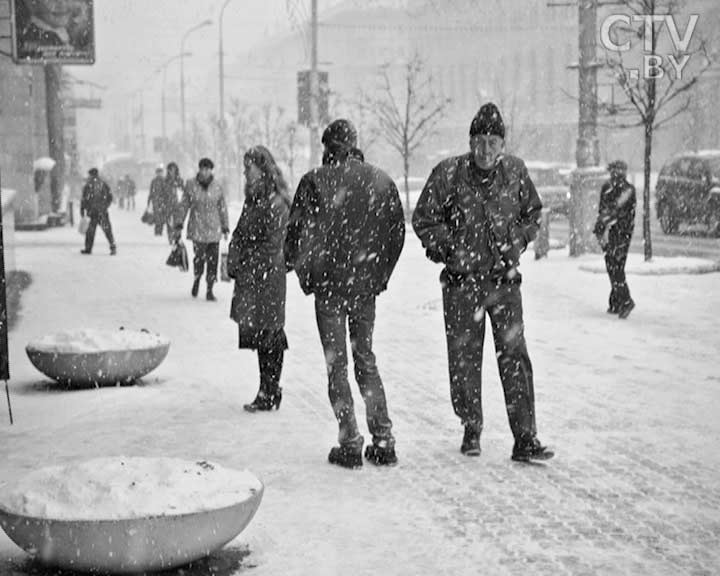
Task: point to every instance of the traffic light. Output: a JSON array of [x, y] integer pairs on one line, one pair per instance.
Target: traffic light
[[303, 97]]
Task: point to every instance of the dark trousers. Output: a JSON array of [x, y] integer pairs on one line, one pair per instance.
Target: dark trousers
[[103, 220], [332, 314], [615, 259], [465, 304], [271, 363], [163, 221], [206, 252]]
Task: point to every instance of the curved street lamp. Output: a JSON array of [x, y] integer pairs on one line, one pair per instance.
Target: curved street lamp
[[221, 53], [182, 70], [164, 67]]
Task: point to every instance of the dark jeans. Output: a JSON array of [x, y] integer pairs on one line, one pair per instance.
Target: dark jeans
[[104, 221], [332, 314], [206, 252], [465, 304], [615, 258], [270, 363]]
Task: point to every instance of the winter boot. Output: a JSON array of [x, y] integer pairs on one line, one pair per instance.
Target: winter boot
[[381, 453], [626, 309], [471, 441], [265, 402], [209, 295], [527, 450], [195, 287], [346, 456]]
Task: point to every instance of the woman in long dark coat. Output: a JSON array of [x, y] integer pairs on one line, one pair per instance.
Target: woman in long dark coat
[[256, 262]]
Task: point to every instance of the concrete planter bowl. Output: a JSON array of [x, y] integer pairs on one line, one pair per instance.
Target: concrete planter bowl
[[129, 545], [109, 365]]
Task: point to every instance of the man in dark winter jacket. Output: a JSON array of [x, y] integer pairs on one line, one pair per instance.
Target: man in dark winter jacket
[[476, 215], [96, 200], [614, 229], [345, 235]]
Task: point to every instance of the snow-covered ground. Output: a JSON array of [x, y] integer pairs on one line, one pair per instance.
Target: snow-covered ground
[[630, 407]]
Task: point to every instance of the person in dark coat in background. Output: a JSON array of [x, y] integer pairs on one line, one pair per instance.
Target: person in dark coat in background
[[173, 191], [345, 235], [162, 206], [204, 201], [614, 229], [476, 215], [256, 261], [96, 200], [131, 190]]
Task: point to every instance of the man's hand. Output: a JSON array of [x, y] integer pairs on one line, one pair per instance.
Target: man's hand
[[225, 233]]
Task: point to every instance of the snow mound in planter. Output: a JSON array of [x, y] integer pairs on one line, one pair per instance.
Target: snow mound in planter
[[97, 357], [129, 514]]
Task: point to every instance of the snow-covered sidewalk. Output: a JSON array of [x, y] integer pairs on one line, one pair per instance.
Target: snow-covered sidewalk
[[629, 405]]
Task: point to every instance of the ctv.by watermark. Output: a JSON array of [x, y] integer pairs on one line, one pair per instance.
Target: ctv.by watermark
[[652, 63]]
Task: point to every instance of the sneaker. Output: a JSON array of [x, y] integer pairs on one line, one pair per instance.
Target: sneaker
[[83, 251], [625, 310], [113, 250], [525, 451], [471, 441], [381, 454], [346, 457]]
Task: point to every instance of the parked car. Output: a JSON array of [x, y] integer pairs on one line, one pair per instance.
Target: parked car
[[688, 191], [552, 181]]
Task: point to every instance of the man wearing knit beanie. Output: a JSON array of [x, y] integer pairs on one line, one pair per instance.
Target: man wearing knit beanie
[[344, 237], [476, 215]]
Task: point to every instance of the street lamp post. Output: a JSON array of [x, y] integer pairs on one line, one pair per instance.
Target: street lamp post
[[164, 68], [182, 71], [221, 73]]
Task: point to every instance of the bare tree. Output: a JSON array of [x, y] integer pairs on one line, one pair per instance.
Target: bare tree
[[408, 119], [659, 90]]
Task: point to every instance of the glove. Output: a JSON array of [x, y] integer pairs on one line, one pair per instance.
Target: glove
[[226, 231]]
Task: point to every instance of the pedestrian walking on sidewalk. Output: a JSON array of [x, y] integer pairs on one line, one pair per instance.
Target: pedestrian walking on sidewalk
[[204, 201], [161, 205], [345, 235], [173, 190], [131, 192], [614, 229], [256, 262], [96, 200], [476, 215]]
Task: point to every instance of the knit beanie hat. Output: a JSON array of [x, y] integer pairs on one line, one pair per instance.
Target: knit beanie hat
[[488, 121], [340, 135]]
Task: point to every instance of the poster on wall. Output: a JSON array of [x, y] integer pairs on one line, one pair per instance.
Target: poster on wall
[[53, 31]]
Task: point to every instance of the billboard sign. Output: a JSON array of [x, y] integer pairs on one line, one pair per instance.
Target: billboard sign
[[53, 31]]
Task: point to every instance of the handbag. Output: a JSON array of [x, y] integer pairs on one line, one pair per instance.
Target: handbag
[[147, 217], [83, 224], [224, 276], [178, 257]]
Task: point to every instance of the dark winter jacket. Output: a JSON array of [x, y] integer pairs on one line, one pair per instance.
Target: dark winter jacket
[[162, 204], [474, 225], [616, 211], [256, 262], [208, 219], [346, 229], [96, 197]]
